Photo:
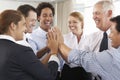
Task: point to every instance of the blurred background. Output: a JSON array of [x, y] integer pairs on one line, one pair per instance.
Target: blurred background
[[63, 8]]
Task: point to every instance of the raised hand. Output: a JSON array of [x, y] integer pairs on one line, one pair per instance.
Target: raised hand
[[52, 42], [59, 36]]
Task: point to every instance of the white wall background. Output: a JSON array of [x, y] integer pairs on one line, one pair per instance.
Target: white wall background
[[13, 4]]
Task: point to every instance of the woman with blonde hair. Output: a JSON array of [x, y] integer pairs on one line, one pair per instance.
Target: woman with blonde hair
[[74, 39]]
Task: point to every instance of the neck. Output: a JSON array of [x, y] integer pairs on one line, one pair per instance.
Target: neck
[[79, 37]]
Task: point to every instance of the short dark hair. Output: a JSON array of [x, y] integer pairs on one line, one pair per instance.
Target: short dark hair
[[24, 9], [116, 20], [7, 17], [44, 5]]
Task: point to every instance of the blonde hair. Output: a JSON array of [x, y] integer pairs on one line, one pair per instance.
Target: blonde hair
[[79, 16]]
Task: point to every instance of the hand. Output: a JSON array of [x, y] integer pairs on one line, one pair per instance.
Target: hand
[[58, 34], [52, 42]]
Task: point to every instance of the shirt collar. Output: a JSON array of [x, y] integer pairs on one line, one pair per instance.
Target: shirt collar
[[42, 30], [7, 37], [43, 33], [73, 35]]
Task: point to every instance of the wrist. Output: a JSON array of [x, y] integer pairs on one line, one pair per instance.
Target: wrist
[[53, 53], [60, 45], [54, 57]]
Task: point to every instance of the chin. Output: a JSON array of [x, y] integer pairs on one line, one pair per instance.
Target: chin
[[114, 46]]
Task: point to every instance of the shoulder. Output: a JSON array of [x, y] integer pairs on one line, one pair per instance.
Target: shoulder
[[21, 48], [68, 35], [35, 30], [95, 35]]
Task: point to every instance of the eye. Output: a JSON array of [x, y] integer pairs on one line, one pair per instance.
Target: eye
[[51, 15], [44, 15]]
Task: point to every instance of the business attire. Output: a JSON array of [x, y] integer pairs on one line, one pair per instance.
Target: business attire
[[18, 62], [71, 40], [38, 39], [93, 41], [24, 42], [106, 63], [73, 71]]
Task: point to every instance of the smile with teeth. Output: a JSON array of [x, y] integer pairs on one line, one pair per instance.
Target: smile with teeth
[[47, 23], [97, 21], [72, 27]]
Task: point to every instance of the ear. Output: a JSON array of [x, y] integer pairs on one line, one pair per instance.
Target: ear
[[12, 26], [110, 13], [82, 24], [38, 18]]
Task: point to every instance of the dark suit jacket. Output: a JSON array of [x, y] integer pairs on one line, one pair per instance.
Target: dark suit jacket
[[18, 62]]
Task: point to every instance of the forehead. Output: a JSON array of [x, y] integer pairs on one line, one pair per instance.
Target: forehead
[[46, 10], [72, 18], [97, 8], [32, 14]]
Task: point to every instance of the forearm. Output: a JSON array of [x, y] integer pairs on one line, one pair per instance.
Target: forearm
[[64, 51], [42, 52], [46, 58]]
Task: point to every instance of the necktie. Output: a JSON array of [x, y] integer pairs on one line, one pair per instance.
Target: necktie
[[27, 39], [104, 42]]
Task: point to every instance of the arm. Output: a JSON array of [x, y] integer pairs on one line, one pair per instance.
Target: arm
[[52, 45], [42, 52], [46, 58], [30, 64], [63, 49]]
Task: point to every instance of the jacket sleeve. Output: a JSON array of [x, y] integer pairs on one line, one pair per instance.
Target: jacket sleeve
[[34, 67]]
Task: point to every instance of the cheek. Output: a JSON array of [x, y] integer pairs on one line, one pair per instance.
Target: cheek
[[51, 19], [114, 39]]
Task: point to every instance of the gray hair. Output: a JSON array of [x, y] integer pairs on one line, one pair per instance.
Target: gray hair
[[106, 5]]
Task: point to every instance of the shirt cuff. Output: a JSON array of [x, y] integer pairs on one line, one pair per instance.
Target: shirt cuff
[[54, 58]]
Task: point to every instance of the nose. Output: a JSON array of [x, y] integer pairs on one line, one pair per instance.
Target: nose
[[48, 18], [34, 23]]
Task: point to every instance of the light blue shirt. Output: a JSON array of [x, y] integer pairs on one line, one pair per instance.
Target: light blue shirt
[[38, 39], [106, 63]]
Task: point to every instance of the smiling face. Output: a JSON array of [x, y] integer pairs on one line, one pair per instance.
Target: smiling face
[[114, 36], [31, 21], [75, 25], [46, 19], [101, 17]]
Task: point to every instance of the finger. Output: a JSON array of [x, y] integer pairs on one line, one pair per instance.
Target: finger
[[49, 35]]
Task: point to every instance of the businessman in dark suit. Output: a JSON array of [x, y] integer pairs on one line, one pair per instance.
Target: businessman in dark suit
[[18, 62]]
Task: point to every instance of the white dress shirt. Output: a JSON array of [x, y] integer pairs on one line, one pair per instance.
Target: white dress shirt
[[7, 37], [71, 41], [93, 41], [24, 42]]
